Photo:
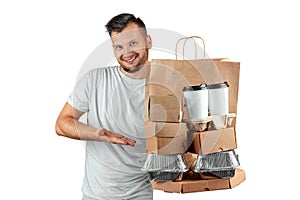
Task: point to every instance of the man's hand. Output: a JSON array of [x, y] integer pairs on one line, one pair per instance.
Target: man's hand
[[115, 138]]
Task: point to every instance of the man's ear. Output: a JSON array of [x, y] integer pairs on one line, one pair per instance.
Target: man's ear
[[148, 42]]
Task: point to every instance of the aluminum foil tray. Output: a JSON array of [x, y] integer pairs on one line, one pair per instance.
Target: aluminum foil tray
[[218, 163], [163, 176], [224, 173], [164, 163], [164, 167]]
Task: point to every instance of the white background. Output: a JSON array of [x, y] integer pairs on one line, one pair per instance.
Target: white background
[[43, 45]]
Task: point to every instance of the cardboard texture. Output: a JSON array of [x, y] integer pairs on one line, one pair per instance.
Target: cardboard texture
[[166, 138], [190, 159], [165, 108], [165, 129], [167, 145], [212, 141], [187, 186]]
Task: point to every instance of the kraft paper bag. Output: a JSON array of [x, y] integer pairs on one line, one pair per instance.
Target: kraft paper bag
[[169, 76]]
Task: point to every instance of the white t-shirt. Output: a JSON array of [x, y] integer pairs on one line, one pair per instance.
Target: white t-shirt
[[113, 101]]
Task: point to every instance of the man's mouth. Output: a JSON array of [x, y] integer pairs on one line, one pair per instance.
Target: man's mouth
[[131, 59]]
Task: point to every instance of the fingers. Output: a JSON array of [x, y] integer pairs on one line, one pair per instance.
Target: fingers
[[116, 138], [123, 141]]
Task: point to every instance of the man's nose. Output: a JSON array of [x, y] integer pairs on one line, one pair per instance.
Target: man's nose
[[127, 49]]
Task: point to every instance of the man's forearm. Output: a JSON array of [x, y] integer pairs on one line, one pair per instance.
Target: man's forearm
[[72, 128]]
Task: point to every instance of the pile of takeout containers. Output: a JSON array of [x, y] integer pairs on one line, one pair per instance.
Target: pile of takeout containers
[[191, 138]]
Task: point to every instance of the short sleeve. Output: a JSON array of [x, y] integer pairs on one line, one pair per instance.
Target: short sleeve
[[80, 97]]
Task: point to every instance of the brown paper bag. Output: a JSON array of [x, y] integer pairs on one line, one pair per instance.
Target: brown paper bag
[[169, 76]]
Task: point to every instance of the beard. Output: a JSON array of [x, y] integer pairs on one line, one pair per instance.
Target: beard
[[132, 69], [137, 67]]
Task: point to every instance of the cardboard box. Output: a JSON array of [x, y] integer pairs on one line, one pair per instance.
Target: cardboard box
[[212, 141], [173, 138], [166, 138], [167, 145], [187, 186], [164, 129], [167, 108]]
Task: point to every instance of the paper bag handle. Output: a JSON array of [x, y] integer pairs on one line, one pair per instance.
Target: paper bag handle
[[185, 39]]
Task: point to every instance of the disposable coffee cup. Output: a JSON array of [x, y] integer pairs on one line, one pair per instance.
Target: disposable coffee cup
[[218, 99], [196, 100]]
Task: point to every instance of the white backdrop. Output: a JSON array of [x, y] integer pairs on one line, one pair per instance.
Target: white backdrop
[[43, 45]]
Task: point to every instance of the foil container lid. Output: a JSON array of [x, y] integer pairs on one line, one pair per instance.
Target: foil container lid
[[164, 163], [220, 161]]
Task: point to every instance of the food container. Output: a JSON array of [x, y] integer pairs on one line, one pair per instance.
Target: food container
[[214, 122], [224, 173], [221, 121], [218, 99], [197, 125], [221, 164], [164, 176], [196, 101], [164, 167]]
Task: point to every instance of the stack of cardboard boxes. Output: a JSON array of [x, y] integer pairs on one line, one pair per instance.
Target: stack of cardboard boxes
[[166, 134], [169, 132]]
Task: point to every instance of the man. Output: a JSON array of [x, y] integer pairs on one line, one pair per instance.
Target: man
[[113, 99]]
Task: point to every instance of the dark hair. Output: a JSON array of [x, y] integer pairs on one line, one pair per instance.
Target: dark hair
[[119, 22]]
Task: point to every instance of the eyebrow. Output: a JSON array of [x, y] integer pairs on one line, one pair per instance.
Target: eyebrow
[[133, 40]]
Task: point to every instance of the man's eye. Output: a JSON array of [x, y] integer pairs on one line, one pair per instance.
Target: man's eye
[[118, 47], [133, 43]]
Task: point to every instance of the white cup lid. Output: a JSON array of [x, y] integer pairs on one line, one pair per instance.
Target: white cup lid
[[218, 85], [195, 87]]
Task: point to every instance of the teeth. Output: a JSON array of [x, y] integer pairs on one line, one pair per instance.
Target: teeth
[[131, 59]]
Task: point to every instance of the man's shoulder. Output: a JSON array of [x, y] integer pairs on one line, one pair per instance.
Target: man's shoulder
[[100, 71]]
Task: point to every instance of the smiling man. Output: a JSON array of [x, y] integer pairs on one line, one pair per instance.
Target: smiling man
[[130, 46], [113, 98]]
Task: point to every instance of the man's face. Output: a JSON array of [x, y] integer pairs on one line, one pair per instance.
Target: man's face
[[131, 47]]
